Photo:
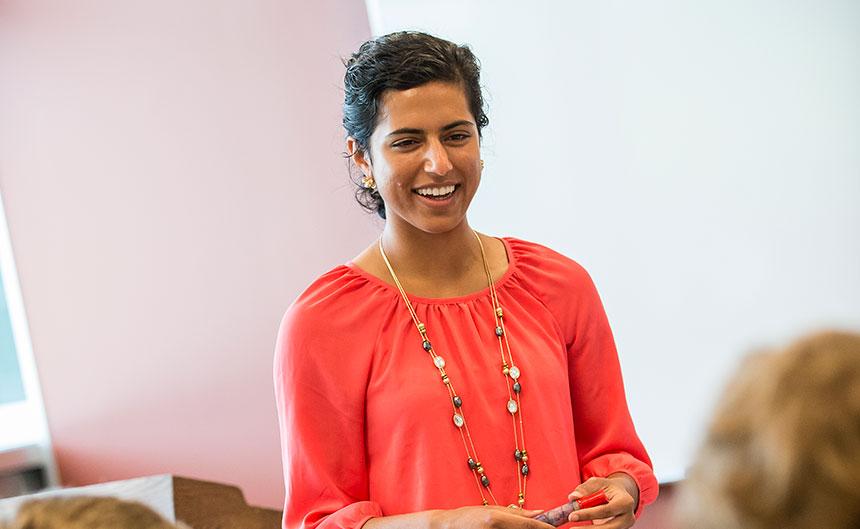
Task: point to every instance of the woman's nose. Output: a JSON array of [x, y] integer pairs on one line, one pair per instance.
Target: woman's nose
[[436, 159]]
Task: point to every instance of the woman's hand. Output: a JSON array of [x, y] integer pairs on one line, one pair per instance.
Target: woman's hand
[[487, 518], [623, 496]]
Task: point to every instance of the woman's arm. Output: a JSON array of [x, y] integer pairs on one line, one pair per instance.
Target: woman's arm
[[606, 439], [320, 396]]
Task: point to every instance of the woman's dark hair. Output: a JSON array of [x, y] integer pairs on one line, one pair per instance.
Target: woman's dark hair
[[400, 61]]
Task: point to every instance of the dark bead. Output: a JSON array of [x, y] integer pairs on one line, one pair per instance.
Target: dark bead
[[499, 331], [485, 481], [458, 401], [426, 345], [517, 387], [518, 455], [472, 464], [525, 470]]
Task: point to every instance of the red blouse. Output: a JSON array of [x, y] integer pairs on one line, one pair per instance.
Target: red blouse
[[366, 424]]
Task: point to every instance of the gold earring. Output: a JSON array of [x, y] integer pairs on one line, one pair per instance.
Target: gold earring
[[482, 164], [368, 182]]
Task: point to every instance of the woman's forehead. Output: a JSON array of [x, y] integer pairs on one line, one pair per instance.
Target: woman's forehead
[[429, 106]]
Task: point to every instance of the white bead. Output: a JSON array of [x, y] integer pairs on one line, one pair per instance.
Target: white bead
[[458, 420], [512, 406], [514, 372], [439, 362]]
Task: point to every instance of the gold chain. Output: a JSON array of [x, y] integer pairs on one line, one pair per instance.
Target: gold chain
[[511, 373]]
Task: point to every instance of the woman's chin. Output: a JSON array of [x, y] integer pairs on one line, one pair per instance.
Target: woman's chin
[[439, 226]]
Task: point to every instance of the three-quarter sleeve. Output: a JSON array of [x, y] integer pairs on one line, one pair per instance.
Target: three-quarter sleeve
[[320, 386], [606, 440]]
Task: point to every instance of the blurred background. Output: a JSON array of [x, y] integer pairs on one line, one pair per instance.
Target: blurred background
[[172, 178]]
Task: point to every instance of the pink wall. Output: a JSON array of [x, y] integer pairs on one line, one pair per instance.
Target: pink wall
[[171, 178]]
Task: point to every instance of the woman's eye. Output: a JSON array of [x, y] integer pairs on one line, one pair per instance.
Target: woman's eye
[[460, 136], [403, 143]]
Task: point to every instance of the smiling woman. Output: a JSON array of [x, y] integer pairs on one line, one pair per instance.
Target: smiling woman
[[379, 67], [446, 378], [423, 157]]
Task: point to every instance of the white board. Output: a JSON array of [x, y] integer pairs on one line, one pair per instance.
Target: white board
[[700, 159]]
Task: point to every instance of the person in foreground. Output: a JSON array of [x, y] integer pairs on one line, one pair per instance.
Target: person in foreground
[[88, 512], [443, 377], [783, 450]]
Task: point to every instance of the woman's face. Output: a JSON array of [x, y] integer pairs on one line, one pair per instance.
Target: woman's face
[[424, 156]]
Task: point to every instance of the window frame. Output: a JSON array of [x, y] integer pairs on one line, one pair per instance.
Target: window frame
[[30, 434]]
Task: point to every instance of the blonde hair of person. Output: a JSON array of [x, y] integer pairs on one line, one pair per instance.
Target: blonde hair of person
[[783, 450], [86, 512]]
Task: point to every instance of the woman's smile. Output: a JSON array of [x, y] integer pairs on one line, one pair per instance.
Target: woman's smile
[[437, 195]]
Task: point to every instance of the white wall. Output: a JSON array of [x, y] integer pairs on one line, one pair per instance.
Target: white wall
[[701, 159]]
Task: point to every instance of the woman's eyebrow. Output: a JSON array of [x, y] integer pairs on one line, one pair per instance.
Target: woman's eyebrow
[[405, 131], [449, 126], [456, 124]]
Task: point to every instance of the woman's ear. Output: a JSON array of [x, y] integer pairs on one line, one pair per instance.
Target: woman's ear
[[359, 156]]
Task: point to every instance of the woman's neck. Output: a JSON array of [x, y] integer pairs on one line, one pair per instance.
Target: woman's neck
[[433, 257]]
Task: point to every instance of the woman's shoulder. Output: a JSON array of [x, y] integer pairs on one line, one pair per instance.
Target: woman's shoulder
[[562, 285], [541, 263], [327, 332], [336, 301], [331, 287]]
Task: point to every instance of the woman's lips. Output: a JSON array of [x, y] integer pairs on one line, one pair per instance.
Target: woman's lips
[[438, 198]]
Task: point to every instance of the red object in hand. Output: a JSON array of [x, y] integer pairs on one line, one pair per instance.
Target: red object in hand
[[558, 516], [592, 500]]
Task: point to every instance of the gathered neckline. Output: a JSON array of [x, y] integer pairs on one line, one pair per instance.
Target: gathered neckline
[[484, 292]]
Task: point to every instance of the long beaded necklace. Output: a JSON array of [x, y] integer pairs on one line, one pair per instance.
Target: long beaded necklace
[[511, 375]]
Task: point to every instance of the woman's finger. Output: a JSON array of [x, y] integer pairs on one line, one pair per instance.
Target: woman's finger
[[525, 513], [616, 522], [587, 487], [593, 513], [524, 517]]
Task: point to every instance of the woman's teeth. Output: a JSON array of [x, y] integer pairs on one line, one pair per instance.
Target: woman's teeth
[[436, 192]]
